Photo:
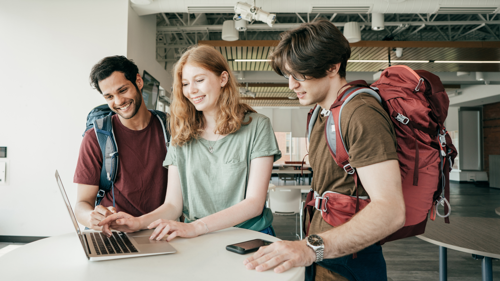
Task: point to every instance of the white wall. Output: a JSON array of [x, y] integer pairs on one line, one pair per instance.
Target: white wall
[[141, 47], [47, 49]]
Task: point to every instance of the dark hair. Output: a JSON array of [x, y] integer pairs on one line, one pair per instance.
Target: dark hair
[[105, 67], [311, 49]]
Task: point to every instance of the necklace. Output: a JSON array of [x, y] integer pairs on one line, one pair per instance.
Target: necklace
[[211, 148]]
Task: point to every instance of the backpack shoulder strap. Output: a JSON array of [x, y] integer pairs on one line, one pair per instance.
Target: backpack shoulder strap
[[163, 120], [333, 130], [311, 119], [103, 128]]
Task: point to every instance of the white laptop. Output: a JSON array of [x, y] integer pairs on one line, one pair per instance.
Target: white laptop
[[98, 246]]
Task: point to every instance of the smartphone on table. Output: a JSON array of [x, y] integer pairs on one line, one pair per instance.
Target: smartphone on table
[[247, 246]]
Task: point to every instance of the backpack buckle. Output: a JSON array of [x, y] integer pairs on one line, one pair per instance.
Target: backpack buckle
[[403, 119], [317, 203], [100, 193], [419, 84], [349, 169], [442, 139]]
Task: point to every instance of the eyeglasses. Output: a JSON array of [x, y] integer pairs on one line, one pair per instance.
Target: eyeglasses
[[302, 79]]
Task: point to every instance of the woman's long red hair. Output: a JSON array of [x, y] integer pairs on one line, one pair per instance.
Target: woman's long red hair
[[186, 122]]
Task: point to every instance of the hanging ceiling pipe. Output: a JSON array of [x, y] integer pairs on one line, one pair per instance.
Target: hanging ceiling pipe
[[287, 26]]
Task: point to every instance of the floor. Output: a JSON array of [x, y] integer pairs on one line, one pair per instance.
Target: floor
[[412, 259]]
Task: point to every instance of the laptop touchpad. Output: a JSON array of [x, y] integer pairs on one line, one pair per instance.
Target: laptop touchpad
[[146, 240]]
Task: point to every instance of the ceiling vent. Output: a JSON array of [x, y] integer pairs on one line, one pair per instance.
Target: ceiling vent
[[210, 9], [340, 9], [467, 10]]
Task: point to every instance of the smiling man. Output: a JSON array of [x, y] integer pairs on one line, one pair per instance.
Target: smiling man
[[313, 57], [141, 180]]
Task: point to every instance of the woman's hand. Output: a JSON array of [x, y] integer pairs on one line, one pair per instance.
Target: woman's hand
[[121, 222], [175, 228]]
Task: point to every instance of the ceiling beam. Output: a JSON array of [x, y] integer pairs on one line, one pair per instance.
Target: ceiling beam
[[288, 26], [245, 98], [380, 44], [266, 85]]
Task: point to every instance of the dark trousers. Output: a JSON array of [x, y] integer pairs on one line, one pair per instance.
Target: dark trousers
[[368, 265]]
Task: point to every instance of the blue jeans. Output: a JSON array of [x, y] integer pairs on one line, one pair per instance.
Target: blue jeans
[[368, 265], [269, 230]]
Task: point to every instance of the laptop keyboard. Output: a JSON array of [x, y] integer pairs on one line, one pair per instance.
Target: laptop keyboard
[[118, 243]]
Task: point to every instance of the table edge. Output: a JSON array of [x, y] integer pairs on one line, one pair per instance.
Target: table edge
[[457, 248]]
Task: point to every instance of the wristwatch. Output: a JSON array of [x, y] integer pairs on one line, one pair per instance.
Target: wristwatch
[[316, 243]]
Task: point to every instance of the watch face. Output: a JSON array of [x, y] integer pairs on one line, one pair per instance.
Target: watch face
[[315, 240]]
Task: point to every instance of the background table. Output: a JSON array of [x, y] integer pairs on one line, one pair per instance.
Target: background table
[[293, 172], [478, 236], [201, 258]]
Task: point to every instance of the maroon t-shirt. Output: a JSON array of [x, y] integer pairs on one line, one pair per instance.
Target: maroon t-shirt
[[141, 182]]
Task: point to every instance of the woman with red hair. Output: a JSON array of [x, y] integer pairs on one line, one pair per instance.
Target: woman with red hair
[[219, 160]]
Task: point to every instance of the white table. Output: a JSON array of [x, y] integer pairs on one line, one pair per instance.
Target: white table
[[296, 165], [201, 258], [293, 172], [477, 236], [296, 172]]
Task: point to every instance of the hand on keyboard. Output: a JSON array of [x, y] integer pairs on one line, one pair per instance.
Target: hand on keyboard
[[98, 214]]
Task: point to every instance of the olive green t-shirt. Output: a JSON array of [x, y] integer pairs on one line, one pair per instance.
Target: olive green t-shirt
[[369, 137], [212, 182]]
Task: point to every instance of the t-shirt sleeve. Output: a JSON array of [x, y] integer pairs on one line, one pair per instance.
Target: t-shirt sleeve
[[88, 167], [171, 158], [370, 136], [265, 143]]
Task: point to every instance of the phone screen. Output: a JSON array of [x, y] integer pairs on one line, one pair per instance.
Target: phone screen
[[253, 244]]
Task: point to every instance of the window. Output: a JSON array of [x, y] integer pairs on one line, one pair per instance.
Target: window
[[292, 149], [288, 142]]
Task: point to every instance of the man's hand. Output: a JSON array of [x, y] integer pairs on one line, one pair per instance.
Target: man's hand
[[281, 256], [122, 222], [98, 214]]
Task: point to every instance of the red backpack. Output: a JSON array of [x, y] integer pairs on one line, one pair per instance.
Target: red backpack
[[418, 105]]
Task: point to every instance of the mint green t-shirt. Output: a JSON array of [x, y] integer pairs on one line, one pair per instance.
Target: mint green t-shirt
[[212, 182]]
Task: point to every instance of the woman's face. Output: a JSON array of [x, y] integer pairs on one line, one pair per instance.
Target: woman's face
[[202, 87]]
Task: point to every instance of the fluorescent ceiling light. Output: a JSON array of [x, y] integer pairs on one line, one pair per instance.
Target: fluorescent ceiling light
[[465, 61], [395, 61]]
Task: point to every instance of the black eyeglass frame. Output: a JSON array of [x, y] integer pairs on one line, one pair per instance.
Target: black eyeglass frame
[[288, 77]]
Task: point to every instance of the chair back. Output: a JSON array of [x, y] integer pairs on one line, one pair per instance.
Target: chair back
[[285, 200]]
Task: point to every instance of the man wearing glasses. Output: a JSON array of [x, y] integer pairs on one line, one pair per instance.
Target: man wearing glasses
[[313, 58]]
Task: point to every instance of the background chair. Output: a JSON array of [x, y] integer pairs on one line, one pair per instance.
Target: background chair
[[286, 201]]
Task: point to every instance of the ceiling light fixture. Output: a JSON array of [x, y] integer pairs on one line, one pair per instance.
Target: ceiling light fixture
[[229, 32], [352, 32], [246, 92], [399, 52], [378, 21], [247, 12], [479, 76]]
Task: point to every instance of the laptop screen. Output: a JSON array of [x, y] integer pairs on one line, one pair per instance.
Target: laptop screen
[[70, 211]]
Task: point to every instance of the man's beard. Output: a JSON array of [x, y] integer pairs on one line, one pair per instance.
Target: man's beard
[[137, 101]]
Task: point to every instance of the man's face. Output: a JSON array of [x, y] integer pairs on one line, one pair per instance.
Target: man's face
[[310, 91], [121, 95]]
